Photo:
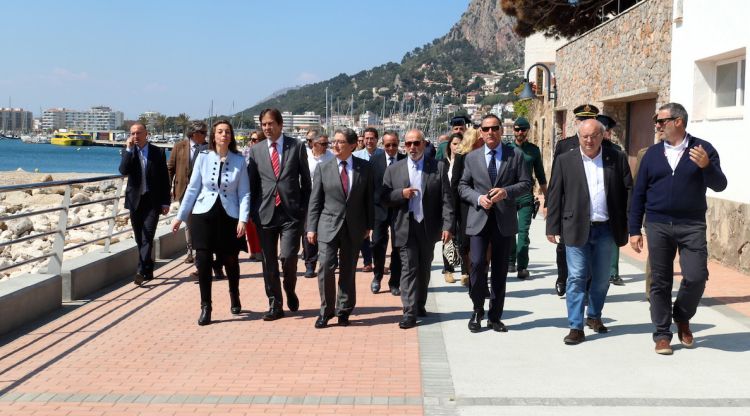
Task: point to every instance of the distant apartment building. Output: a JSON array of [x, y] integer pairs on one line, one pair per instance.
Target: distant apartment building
[[367, 119], [297, 123], [98, 118], [16, 120]]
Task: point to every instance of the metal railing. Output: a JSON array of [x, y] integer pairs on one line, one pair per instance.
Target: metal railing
[[60, 244]]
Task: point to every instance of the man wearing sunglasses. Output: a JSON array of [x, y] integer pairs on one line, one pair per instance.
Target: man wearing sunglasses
[[417, 189], [671, 191], [519, 251], [494, 176], [318, 154]]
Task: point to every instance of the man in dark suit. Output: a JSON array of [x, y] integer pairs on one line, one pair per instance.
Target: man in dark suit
[[418, 190], [147, 194], [384, 218], [340, 214], [587, 205], [279, 189], [581, 113], [494, 176]]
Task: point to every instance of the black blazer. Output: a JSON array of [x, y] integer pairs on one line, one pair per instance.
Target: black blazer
[[382, 213], [157, 177], [568, 201]]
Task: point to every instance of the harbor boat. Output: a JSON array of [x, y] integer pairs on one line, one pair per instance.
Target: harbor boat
[[65, 137]]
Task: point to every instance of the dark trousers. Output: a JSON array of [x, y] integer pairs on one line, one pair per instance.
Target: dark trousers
[[309, 253], [366, 252], [519, 250], [416, 258], [286, 230], [664, 240], [203, 263], [379, 246], [347, 294], [562, 262], [144, 220], [499, 257]]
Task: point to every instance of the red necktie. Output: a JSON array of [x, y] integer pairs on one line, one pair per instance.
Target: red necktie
[[344, 179], [276, 169]]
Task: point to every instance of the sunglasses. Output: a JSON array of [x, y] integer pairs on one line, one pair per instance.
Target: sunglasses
[[664, 120], [519, 129], [410, 144], [255, 140], [390, 145], [488, 128]]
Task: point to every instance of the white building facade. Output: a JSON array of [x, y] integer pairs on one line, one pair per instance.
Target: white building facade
[[16, 120], [99, 118]]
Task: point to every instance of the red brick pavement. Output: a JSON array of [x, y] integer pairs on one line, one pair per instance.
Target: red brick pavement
[[145, 341]]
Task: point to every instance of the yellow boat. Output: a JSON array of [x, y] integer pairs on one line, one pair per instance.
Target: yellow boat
[[64, 137]]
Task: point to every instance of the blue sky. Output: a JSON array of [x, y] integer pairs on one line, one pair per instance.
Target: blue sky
[[176, 56]]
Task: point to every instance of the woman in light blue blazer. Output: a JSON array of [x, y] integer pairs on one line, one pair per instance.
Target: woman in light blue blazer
[[218, 198]]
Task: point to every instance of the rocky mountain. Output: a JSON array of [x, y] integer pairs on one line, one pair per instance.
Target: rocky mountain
[[482, 41]]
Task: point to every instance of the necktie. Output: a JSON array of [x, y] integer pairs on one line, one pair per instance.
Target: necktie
[[415, 181], [196, 150], [492, 168], [344, 179], [276, 169], [390, 160], [142, 157]]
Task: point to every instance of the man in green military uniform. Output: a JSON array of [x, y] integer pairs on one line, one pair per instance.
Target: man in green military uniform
[[519, 251], [614, 268]]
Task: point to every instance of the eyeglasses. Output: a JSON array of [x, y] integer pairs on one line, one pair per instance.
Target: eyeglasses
[[662, 121], [388, 146], [519, 129], [323, 144], [488, 128], [256, 140], [410, 144]]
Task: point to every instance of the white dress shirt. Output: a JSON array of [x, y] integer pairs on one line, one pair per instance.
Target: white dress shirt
[[415, 181], [349, 173], [365, 154], [313, 161], [594, 168], [279, 146], [674, 153]]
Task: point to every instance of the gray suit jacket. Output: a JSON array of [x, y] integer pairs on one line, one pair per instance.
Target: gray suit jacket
[[437, 202], [512, 175], [328, 209], [293, 183]]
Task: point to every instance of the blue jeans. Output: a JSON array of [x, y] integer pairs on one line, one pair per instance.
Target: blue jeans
[[591, 259]]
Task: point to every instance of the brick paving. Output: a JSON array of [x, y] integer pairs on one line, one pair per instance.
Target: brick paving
[[140, 351]]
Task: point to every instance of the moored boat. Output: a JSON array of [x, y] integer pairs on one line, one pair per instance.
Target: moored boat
[[65, 137]]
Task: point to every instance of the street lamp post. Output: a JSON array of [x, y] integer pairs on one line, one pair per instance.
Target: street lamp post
[[528, 94]]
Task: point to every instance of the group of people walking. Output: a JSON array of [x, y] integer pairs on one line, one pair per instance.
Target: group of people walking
[[477, 198]]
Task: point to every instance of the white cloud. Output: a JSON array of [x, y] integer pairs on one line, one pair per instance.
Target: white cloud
[[307, 77]]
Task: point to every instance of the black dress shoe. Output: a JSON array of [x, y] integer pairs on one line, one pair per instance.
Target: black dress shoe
[[511, 268], [407, 323], [523, 274], [560, 288], [273, 314], [395, 291], [234, 299], [205, 317], [475, 323], [138, 280], [148, 277], [322, 321], [310, 271], [497, 326], [219, 274], [375, 286], [421, 312], [344, 319], [292, 301]]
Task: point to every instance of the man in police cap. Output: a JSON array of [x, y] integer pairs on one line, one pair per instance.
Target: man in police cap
[[458, 125], [614, 269], [519, 251], [582, 112]]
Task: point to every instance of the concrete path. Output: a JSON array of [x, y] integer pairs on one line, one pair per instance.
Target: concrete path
[[139, 351]]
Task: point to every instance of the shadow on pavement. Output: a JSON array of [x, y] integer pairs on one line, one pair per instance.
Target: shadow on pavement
[[735, 342]]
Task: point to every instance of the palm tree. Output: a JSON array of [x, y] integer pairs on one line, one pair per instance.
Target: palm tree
[[183, 121], [160, 123]]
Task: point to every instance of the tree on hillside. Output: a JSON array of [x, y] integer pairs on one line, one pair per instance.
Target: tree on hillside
[[561, 18]]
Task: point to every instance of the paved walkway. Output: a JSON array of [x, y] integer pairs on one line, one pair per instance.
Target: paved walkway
[[139, 351]]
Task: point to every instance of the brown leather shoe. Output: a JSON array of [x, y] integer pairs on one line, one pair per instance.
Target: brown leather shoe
[[449, 277], [596, 325], [685, 335], [367, 268], [575, 337], [663, 347], [465, 280]]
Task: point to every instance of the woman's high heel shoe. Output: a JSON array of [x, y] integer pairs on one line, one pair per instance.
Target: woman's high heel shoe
[[205, 317], [234, 298]]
